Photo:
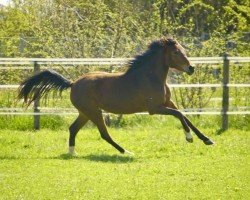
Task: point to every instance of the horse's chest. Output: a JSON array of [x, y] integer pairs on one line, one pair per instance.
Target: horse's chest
[[156, 95]]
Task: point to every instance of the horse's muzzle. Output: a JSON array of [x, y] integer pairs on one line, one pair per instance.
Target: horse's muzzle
[[190, 70]]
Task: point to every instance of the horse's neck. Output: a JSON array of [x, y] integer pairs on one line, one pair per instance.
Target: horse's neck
[[160, 69], [162, 72], [155, 66]]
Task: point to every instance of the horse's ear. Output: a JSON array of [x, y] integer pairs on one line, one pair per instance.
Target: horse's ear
[[170, 42], [155, 45]]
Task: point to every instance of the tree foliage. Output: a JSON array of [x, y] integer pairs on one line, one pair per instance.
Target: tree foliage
[[109, 28]]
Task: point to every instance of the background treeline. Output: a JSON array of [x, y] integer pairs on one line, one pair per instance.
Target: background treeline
[[124, 28], [111, 28]]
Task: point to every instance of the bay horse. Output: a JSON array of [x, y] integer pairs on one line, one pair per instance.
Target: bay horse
[[141, 88]]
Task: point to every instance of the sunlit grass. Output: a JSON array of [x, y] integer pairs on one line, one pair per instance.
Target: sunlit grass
[[33, 164]]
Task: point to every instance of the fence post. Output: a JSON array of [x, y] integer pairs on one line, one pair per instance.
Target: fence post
[[225, 92], [36, 102]]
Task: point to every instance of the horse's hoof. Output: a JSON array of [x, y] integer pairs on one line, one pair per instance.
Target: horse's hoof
[[72, 151], [74, 154], [190, 140], [128, 153], [208, 142]]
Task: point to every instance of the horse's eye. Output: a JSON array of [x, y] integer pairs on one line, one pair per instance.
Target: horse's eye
[[176, 52]]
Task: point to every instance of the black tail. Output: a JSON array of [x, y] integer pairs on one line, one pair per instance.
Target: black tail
[[38, 85]]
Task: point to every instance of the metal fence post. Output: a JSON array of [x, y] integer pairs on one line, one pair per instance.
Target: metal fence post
[[225, 94], [36, 102]]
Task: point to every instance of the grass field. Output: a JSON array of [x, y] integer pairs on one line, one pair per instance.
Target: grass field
[[33, 165]]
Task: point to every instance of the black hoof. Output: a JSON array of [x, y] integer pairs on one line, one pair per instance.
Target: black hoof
[[208, 142], [190, 140]]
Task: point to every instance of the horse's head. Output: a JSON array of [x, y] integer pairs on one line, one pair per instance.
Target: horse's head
[[177, 58]]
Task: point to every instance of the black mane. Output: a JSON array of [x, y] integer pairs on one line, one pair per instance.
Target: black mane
[[153, 48]]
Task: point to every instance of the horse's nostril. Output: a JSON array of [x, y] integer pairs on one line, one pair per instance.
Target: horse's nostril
[[191, 69]]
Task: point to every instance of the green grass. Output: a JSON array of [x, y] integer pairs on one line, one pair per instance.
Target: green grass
[[33, 165]]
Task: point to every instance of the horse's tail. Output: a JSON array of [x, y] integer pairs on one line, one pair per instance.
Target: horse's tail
[[40, 84]]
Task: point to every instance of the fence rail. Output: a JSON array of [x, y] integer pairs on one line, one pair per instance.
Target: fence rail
[[142, 113], [37, 63], [108, 61], [241, 85]]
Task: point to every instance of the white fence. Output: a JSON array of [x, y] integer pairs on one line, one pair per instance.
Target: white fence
[[34, 63]]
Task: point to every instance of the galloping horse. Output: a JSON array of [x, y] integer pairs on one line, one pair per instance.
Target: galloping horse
[[142, 87]]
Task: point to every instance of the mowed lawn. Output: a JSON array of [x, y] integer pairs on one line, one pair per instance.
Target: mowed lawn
[[33, 165]]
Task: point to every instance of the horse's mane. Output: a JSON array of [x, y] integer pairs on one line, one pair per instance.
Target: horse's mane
[[144, 58]]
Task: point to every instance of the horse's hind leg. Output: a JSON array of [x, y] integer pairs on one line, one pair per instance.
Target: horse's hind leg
[[80, 121], [197, 132], [97, 119]]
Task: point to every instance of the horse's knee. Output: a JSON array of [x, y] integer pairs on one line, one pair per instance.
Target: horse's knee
[[177, 114], [170, 104], [71, 130], [105, 137]]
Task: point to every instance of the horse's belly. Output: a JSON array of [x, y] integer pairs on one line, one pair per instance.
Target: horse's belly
[[129, 100], [123, 110], [123, 107]]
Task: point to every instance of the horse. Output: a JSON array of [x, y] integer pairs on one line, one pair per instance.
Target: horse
[[141, 88]]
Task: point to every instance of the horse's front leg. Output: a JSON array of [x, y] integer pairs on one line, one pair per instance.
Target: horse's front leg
[[162, 110], [197, 132]]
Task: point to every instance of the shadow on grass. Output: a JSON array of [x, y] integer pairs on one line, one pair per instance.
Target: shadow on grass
[[99, 158], [220, 131], [9, 158]]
